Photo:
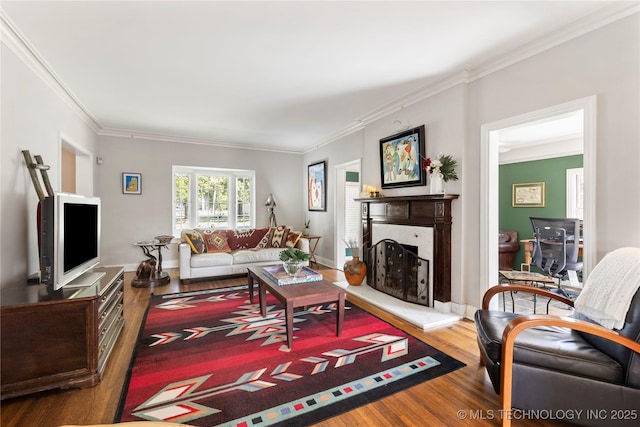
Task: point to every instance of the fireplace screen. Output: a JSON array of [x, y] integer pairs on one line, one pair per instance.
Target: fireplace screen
[[397, 271]]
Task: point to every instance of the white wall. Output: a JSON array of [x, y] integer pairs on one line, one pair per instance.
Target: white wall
[[33, 118], [127, 218], [347, 149], [603, 63]]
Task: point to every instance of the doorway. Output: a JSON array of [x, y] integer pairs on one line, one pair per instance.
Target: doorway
[[76, 168], [348, 216], [489, 184]]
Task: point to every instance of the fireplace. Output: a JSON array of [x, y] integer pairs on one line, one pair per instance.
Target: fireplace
[[422, 221], [397, 270]]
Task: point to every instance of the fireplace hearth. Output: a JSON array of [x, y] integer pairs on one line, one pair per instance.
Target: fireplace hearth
[[395, 269]]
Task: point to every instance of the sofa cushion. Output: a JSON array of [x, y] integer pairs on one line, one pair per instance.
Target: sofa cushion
[[195, 240], [278, 236], [246, 238], [292, 238], [246, 256], [211, 260], [215, 241]]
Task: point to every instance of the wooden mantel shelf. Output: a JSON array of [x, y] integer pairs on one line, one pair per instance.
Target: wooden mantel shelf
[[383, 199], [432, 210]]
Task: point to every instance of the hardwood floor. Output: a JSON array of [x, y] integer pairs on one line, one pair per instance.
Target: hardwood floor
[[438, 402]]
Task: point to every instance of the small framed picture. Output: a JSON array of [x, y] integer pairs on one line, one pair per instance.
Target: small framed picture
[[317, 186], [528, 195], [131, 183], [525, 267]]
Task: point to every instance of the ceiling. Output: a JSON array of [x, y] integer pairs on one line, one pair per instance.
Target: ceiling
[[276, 75]]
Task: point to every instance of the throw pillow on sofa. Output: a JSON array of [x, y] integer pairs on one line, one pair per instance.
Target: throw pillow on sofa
[[216, 241], [292, 238], [247, 238], [278, 236], [195, 241]]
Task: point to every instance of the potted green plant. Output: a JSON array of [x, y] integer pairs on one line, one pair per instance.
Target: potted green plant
[[305, 231], [293, 260]]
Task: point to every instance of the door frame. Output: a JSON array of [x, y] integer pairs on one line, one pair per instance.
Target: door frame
[[340, 174], [489, 185]]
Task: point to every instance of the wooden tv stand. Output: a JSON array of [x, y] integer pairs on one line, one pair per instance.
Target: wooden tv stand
[[60, 339]]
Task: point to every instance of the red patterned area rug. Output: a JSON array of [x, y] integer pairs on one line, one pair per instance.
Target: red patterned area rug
[[208, 358]]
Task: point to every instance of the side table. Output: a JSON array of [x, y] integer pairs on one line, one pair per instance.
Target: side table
[[157, 277], [313, 244], [529, 278]]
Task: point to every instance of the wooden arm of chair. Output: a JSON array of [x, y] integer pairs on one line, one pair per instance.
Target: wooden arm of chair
[[521, 323], [492, 291]]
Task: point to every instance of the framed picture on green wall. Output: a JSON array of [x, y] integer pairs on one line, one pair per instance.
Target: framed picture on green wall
[[528, 195]]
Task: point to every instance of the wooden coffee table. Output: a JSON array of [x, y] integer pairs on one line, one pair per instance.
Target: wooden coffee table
[[296, 295]]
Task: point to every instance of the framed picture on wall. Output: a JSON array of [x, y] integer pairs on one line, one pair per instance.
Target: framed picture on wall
[[401, 159], [317, 185], [131, 183], [528, 195]]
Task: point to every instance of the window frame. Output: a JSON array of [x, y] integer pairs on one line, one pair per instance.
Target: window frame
[[231, 174]]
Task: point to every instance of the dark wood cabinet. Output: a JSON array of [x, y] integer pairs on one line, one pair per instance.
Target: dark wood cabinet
[[422, 211], [59, 339]]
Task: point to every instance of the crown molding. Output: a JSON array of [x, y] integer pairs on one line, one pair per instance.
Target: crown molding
[[414, 97], [590, 23], [470, 74], [149, 136], [23, 49], [19, 44], [409, 99]]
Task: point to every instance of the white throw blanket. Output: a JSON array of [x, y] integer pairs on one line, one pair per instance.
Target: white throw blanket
[[608, 292]]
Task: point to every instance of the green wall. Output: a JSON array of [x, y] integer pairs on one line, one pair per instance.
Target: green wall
[[550, 171]]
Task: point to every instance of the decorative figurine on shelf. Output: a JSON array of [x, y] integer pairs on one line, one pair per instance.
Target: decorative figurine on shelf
[[145, 269]]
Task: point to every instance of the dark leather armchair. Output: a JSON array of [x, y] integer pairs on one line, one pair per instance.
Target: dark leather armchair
[[508, 246], [541, 362]]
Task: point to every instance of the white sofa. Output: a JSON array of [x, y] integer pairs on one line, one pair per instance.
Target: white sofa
[[212, 253]]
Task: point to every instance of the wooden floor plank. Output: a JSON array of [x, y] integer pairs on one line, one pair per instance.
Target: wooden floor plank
[[436, 402]]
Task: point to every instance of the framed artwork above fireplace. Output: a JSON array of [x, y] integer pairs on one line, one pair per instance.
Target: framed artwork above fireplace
[[401, 159]]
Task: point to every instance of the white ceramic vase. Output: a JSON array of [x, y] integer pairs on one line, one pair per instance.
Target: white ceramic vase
[[436, 185]]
